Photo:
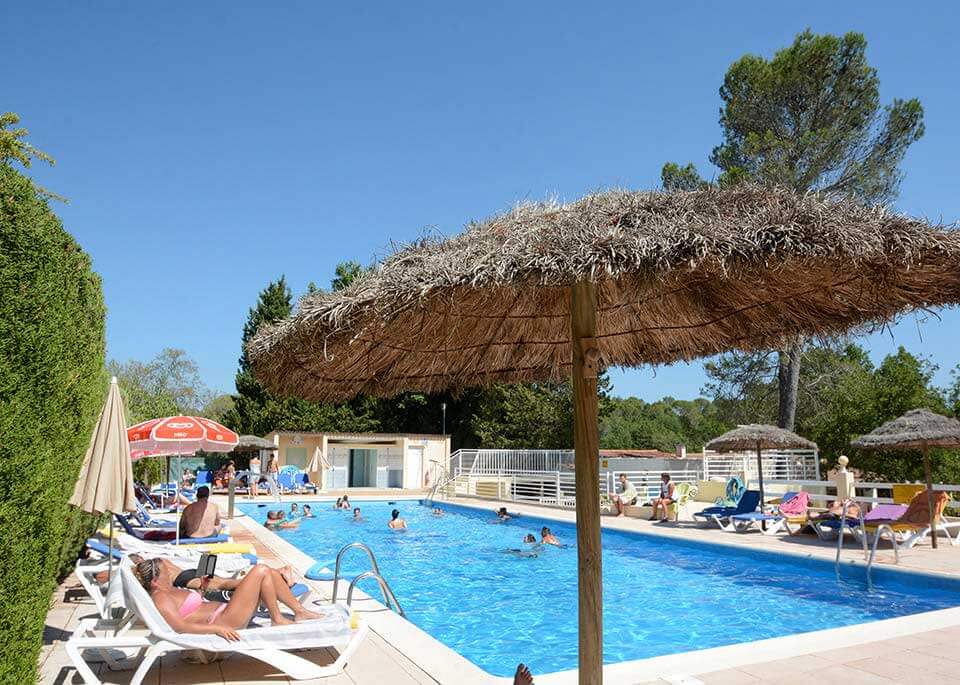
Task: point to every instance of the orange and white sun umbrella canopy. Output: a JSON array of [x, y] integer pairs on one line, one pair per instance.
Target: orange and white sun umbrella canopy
[[173, 435]]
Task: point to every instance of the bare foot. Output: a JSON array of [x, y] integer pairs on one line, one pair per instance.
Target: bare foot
[[305, 615], [281, 620], [522, 676]]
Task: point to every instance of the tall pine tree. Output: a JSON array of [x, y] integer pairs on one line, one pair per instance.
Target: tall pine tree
[[274, 303]]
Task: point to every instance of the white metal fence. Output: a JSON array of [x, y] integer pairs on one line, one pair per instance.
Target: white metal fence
[[552, 488], [777, 464], [493, 461]]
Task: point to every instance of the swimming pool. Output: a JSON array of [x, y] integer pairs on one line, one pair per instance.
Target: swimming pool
[[661, 595]]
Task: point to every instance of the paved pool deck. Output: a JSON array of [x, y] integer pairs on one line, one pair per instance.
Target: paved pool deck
[[907, 650]]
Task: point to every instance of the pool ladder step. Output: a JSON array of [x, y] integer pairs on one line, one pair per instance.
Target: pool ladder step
[[390, 599]]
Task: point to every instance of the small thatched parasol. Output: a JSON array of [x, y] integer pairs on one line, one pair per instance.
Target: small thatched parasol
[[550, 291], [917, 429], [760, 437], [252, 443]]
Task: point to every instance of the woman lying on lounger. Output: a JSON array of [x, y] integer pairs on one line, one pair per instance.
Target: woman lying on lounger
[[188, 612]]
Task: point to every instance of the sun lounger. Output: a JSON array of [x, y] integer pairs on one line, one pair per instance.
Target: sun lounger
[[913, 526], [162, 533], [748, 503], [829, 528], [271, 644], [792, 511], [147, 520]]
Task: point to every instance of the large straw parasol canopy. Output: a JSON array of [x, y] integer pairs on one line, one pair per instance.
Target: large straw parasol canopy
[[678, 276], [253, 443], [754, 435], [759, 437], [918, 429], [555, 291]]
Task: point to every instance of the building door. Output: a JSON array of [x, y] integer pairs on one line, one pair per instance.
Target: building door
[[413, 469], [363, 468]]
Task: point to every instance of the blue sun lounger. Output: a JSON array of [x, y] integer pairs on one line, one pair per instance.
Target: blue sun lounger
[[139, 533], [748, 504]]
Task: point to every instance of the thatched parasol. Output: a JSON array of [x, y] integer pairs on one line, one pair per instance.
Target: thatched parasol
[[917, 429], [760, 437], [550, 291], [252, 443]]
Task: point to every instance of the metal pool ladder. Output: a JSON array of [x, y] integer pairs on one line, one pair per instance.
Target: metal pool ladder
[[843, 526], [389, 598]]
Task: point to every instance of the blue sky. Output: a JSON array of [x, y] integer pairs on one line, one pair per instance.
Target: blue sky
[[207, 148]]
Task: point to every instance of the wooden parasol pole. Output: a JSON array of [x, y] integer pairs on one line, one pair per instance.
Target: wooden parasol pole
[[586, 440], [930, 507]]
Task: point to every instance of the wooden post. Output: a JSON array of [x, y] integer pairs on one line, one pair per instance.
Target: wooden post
[[930, 506], [586, 440]]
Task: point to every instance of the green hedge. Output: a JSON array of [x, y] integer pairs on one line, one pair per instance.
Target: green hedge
[[52, 385]]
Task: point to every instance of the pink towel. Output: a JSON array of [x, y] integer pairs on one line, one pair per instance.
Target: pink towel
[[796, 505]]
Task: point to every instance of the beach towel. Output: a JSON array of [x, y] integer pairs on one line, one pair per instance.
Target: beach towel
[[796, 505]]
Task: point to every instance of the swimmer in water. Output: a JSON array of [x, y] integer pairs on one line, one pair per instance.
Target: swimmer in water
[[503, 515], [530, 547], [307, 512], [396, 523], [356, 514], [437, 511], [548, 538], [345, 503], [339, 502]]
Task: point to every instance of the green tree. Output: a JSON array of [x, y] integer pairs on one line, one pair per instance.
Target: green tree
[[167, 385], [346, 274], [249, 414], [529, 415], [809, 119]]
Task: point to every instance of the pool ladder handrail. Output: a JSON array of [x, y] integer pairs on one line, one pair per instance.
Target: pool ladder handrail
[[375, 573], [390, 598], [862, 526]]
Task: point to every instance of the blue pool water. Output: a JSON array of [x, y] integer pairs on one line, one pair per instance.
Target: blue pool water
[[661, 596]]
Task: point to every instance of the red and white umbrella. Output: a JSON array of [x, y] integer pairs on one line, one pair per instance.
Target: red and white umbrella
[[180, 435]]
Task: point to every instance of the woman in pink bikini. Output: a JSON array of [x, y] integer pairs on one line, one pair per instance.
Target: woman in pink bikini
[[188, 612]]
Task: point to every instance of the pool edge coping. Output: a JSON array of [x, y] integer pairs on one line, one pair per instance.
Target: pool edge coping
[[446, 665]]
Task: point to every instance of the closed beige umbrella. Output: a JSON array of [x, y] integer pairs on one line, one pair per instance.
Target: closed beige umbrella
[[106, 477]]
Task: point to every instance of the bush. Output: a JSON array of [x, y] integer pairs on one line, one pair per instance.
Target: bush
[[52, 385]]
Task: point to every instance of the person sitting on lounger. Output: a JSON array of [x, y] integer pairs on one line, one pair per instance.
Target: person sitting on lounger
[[396, 522], [548, 538], [188, 612], [201, 519], [627, 496], [666, 498]]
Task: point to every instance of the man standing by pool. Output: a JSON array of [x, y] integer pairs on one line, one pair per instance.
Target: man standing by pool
[[627, 496]]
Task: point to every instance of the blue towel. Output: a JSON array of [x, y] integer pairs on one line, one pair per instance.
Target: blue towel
[[103, 549]]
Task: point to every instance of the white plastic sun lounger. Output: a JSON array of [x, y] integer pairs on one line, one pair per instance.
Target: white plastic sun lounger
[[268, 644], [107, 597]]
